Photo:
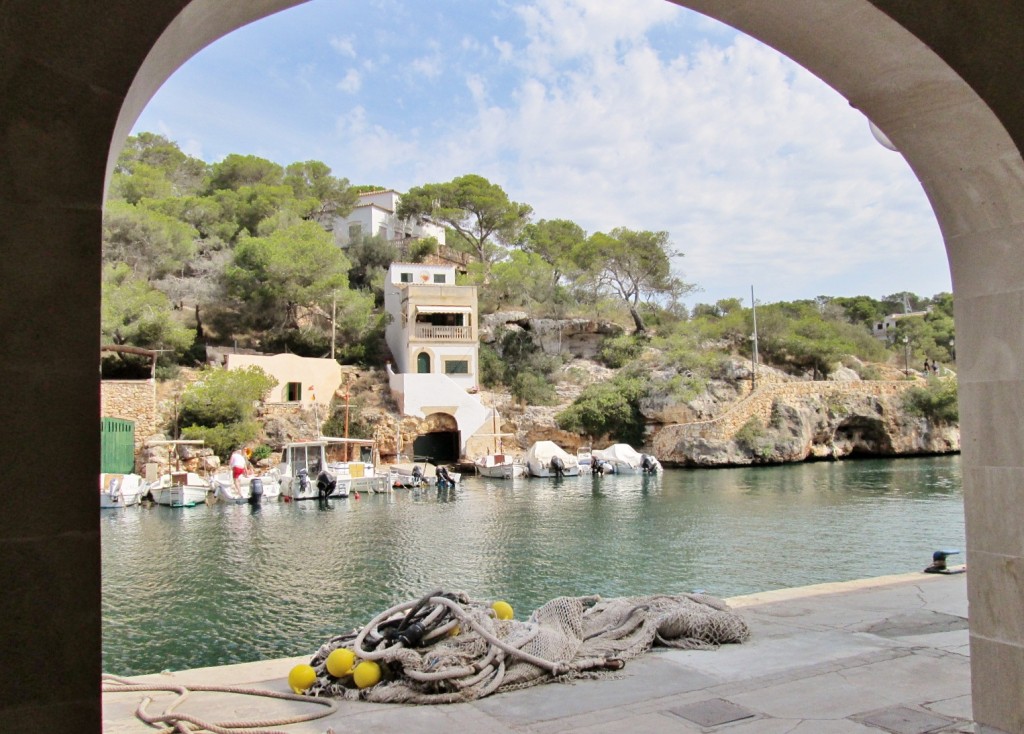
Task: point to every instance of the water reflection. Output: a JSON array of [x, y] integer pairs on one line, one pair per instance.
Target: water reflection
[[211, 585]]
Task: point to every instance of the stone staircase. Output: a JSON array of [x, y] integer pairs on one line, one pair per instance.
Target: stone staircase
[[758, 403]]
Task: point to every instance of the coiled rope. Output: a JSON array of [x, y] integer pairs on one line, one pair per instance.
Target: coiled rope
[[445, 648], [183, 723]]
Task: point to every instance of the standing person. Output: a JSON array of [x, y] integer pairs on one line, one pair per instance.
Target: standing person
[[237, 463]]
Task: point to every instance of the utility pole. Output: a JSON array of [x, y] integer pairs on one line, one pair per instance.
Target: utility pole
[[334, 316], [753, 353]]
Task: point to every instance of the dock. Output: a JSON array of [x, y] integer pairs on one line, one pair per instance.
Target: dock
[[888, 654]]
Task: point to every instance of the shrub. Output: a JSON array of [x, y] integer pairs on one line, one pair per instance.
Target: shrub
[[751, 436], [618, 351], [224, 438], [531, 388], [608, 409], [937, 402]]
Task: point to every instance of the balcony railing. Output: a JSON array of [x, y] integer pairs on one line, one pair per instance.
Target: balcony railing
[[443, 333]]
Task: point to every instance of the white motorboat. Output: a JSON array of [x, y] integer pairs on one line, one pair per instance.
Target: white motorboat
[[585, 458], [180, 489], [548, 459], [120, 490], [624, 459], [306, 475], [500, 466], [411, 476], [268, 488], [355, 460]]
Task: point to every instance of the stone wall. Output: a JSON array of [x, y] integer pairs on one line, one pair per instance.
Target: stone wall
[[133, 400], [759, 404]]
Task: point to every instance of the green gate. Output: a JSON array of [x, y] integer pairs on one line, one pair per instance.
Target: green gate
[[117, 446]]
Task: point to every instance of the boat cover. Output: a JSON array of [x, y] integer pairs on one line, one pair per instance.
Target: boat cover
[[541, 452], [621, 452]]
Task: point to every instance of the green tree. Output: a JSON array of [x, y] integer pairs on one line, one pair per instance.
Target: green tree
[[938, 401], [634, 266], [523, 280], [145, 154], [237, 171], [609, 409], [329, 195], [555, 241], [483, 218], [281, 276], [219, 407], [150, 243], [134, 313]]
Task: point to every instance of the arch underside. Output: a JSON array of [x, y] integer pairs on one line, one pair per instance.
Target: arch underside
[[74, 82]]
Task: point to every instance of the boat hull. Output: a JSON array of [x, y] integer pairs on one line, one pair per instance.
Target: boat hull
[[224, 489], [180, 489], [544, 472], [502, 471], [120, 490]]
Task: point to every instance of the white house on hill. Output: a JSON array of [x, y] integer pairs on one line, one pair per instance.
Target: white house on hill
[[375, 215], [434, 344]]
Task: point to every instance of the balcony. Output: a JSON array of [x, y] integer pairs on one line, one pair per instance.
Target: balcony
[[443, 333]]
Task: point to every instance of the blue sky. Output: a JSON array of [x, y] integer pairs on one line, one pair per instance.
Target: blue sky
[[640, 115]]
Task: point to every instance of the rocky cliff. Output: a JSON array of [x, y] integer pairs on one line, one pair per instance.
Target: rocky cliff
[[804, 421]]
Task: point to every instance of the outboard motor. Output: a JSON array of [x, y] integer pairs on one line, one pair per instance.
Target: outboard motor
[[326, 483], [255, 491], [417, 474], [303, 478], [444, 479], [647, 464], [557, 466]]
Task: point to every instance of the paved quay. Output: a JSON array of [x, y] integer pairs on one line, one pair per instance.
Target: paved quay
[[887, 654]]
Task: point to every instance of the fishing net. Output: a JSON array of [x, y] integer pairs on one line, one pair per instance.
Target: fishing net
[[445, 648]]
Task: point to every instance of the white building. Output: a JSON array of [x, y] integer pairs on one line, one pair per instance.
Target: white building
[[434, 344], [375, 215], [885, 328]]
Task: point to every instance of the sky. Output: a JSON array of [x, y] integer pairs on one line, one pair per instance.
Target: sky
[[640, 115]]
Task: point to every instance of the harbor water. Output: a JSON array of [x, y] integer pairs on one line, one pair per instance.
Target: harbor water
[[222, 584]]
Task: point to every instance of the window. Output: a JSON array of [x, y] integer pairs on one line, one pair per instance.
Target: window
[[456, 367], [354, 230], [293, 392], [423, 363], [439, 277], [406, 277]]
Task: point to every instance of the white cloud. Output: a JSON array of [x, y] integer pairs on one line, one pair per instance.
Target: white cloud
[[428, 66], [757, 170], [344, 46], [351, 82]]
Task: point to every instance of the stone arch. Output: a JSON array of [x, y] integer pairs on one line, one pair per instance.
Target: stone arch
[[940, 79]]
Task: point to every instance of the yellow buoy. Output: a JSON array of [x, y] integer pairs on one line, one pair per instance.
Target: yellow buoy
[[301, 677], [366, 674], [502, 609], [340, 662]]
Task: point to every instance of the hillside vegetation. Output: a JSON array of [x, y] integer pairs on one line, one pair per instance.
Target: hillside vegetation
[[239, 253]]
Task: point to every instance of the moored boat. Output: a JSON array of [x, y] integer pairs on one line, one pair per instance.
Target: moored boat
[[548, 459], [306, 475], [120, 490], [267, 488], [500, 466], [411, 476], [585, 458], [624, 459], [355, 460], [180, 489], [177, 487]]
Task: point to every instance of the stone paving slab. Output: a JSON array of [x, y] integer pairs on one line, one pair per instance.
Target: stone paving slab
[[832, 659]]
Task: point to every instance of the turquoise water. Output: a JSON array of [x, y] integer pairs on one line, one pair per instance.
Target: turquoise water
[[193, 587]]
